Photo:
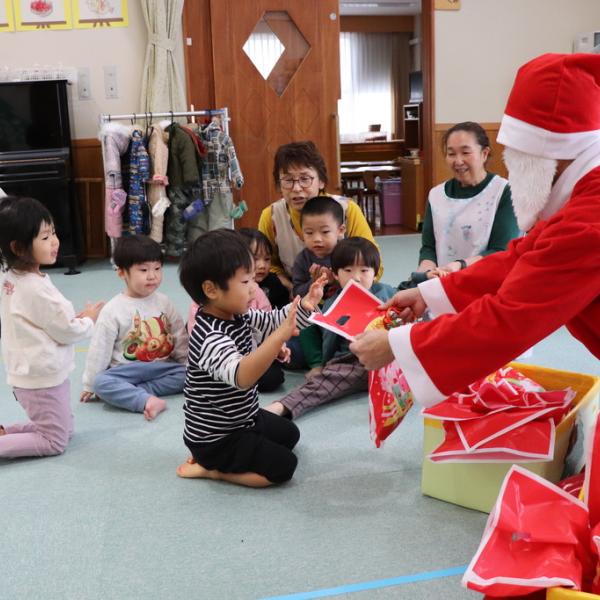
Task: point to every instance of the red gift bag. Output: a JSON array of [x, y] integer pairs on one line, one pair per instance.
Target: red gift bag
[[536, 537], [390, 399]]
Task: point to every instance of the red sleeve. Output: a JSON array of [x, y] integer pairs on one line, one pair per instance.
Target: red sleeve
[[513, 299]]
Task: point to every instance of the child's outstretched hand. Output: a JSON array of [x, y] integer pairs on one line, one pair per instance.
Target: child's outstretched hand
[[288, 328], [311, 301], [91, 310]]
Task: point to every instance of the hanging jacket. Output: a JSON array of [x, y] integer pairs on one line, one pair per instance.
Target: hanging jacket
[[219, 161], [115, 139], [183, 169], [139, 173]]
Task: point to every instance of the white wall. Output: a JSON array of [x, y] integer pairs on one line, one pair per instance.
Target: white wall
[[124, 47], [479, 48]]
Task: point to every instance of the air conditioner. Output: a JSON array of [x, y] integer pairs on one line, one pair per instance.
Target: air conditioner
[[587, 42]]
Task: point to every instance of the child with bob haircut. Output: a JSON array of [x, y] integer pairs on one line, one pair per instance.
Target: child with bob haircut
[[262, 251], [139, 347], [39, 328], [354, 259], [229, 436]]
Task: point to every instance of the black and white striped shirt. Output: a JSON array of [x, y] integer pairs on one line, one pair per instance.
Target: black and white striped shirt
[[214, 406]]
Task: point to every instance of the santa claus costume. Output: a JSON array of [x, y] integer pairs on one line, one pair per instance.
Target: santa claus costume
[[496, 309]]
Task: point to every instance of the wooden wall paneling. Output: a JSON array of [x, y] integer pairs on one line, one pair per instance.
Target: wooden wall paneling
[[88, 176], [199, 74], [262, 120], [495, 163], [374, 24]]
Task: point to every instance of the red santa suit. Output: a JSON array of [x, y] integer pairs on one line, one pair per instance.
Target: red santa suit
[[493, 311]]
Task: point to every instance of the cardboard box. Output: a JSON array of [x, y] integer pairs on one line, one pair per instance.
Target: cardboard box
[[476, 485], [565, 594]]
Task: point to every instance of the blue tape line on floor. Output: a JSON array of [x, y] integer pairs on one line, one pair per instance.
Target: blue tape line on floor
[[371, 585]]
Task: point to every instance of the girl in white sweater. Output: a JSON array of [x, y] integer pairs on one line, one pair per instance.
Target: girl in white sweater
[[39, 328]]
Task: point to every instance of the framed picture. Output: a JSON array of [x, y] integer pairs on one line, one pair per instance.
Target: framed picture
[[100, 13], [32, 15], [7, 17]]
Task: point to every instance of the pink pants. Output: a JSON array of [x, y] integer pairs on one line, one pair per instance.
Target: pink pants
[[50, 426]]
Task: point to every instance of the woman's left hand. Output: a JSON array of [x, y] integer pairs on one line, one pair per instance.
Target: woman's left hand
[[373, 349]]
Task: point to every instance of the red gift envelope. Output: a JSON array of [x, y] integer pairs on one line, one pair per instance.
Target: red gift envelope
[[477, 433], [532, 442], [535, 538], [351, 311]]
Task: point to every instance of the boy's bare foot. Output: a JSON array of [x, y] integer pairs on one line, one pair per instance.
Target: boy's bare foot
[[192, 470], [277, 409], [314, 371], [153, 407]]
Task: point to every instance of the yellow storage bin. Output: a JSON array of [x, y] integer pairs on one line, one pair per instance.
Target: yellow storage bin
[[566, 594], [476, 485]]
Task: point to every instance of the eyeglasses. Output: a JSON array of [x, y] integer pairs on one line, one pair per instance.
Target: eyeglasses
[[287, 183]]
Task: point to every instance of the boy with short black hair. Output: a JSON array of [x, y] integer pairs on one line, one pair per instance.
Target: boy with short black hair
[[139, 346], [355, 259], [229, 436], [322, 222]]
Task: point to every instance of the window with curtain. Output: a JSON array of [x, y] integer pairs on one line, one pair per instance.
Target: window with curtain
[[374, 80]]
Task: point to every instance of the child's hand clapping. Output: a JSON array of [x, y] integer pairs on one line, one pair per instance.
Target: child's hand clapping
[[316, 271], [91, 310], [311, 301]]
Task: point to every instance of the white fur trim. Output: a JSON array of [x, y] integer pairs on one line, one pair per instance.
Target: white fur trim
[[523, 136], [435, 297], [424, 390]]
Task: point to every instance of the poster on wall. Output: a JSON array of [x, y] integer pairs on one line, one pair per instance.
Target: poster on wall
[[32, 15], [100, 13], [7, 20]]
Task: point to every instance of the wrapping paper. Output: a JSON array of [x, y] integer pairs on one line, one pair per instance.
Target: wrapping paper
[[504, 417], [536, 537]]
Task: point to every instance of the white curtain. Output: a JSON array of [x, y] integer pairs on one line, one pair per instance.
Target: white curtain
[[369, 78], [162, 85]]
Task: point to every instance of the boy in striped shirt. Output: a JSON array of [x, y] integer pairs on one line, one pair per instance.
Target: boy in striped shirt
[[229, 436]]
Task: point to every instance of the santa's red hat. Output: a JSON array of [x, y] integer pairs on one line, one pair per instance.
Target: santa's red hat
[[553, 110]]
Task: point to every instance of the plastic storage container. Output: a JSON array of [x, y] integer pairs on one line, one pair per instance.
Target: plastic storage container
[[476, 485], [390, 191]]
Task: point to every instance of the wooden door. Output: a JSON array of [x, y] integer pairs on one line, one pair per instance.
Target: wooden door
[[297, 101]]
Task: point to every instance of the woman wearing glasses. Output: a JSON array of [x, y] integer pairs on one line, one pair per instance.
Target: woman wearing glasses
[[300, 174]]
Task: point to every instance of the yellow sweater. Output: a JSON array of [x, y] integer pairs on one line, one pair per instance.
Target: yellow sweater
[[356, 226]]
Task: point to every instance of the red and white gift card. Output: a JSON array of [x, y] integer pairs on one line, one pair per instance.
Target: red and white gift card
[[350, 312]]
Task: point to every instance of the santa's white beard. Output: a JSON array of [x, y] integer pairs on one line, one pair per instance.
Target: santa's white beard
[[530, 178]]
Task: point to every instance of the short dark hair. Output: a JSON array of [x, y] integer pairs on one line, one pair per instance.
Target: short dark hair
[[349, 251], [323, 205], [20, 221], [299, 154], [254, 236], [481, 137], [135, 249], [215, 256]]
